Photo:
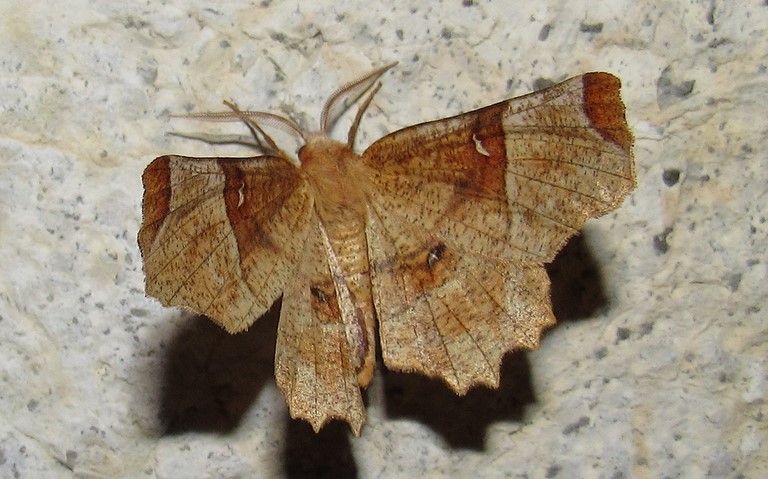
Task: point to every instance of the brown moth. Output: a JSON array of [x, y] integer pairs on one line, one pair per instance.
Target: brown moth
[[436, 234]]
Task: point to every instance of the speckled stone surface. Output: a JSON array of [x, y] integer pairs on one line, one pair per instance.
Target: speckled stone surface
[[658, 365]]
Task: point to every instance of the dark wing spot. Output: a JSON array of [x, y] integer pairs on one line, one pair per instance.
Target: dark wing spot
[[318, 294], [435, 255]]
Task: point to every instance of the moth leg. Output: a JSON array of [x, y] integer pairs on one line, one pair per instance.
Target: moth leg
[[255, 129]]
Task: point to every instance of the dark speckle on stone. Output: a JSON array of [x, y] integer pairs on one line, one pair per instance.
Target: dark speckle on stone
[[660, 241], [670, 87], [32, 404], [591, 27], [622, 334], [671, 176], [542, 83], [553, 471], [399, 33], [601, 353], [646, 328], [575, 426], [148, 73], [544, 32], [733, 282], [718, 42]]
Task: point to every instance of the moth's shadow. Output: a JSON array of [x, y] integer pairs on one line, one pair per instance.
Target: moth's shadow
[[211, 378], [577, 285], [577, 293], [461, 420], [325, 454]]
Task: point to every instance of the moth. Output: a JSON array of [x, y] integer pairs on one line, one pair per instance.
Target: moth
[[430, 243]]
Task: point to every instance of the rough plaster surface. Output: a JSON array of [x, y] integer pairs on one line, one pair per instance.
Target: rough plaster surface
[[658, 365]]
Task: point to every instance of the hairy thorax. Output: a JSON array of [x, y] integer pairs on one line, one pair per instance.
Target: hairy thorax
[[337, 177]]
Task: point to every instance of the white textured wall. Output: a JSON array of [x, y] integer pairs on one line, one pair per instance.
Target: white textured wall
[[657, 369]]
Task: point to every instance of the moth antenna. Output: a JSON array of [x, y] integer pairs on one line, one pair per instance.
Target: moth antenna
[[221, 139], [268, 119], [349, 93], [359, 116]]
